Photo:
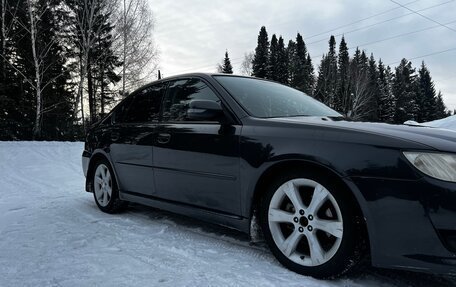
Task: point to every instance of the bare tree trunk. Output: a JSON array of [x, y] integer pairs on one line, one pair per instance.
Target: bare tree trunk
[[124, 66], [84, 25], [36, 62], [134, 43], [102, 91], [3, 44], [88, 28], [79, 96], [90, 91]]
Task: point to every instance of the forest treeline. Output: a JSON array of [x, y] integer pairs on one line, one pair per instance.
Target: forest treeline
[[63, 63], [358, 86]]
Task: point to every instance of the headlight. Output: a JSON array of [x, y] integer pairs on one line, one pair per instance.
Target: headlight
[[438, 165]]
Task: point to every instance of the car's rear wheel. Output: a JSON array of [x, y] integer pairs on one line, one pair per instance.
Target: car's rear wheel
[[105, 189], [310, 225]]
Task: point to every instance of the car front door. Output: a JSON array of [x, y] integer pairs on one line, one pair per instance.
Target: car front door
[[132, 136], [196, 162]]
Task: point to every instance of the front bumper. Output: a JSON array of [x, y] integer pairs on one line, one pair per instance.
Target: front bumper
[[411, 223]]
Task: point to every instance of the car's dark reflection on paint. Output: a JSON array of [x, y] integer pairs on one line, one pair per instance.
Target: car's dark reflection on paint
[[243, 152]]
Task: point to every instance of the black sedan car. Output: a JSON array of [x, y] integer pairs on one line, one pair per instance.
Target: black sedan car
[[245, 152]]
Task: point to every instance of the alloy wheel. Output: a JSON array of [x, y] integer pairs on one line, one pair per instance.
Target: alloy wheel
[[103, 185], [305, 222]]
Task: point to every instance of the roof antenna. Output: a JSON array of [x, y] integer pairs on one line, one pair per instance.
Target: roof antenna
[[159, 75]]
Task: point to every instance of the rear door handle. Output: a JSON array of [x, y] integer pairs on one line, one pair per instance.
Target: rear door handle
[[163, 138]]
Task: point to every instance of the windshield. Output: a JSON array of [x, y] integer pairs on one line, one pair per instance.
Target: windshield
[[264, 99]]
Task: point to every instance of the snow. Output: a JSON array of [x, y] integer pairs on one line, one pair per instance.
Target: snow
[[448, 123], [52, 234]]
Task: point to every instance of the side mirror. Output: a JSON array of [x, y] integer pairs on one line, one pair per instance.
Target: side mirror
[[204, 110]]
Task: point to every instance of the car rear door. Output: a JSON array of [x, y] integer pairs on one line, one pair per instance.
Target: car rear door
[[132, 136], [196, 162]]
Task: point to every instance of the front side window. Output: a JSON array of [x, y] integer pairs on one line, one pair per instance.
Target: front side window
[[180, 93], [121, 109], [145, 106]]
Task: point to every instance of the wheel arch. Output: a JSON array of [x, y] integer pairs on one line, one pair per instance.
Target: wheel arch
[[284, 166], [96, 156]]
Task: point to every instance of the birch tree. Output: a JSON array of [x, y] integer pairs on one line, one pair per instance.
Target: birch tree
[[34, 13], [87, 25], [33, 17], [39, 68], [361, 97], [135, 43], [246, 66]]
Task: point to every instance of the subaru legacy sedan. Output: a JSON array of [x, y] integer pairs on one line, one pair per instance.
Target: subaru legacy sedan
[[253, 154]]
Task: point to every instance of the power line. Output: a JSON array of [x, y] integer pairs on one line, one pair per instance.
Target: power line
[[358, 21], [378, 23], [424, 16], [235, 60], [345, 25], [400, 35], [426, 55]]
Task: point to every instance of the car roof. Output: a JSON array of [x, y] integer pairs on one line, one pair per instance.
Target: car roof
[[201, 75]]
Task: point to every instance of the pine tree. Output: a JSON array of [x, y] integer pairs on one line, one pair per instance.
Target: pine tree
[[322, 80], [386, 104], [102, 63], [440, 108], [103, 68], [342, 98], [327, 76], [273, 59], [226, 67], [11, 117], [304, 78], [374, 89], [292, 63], [404, 88], [310, 78], [425, 96], [260, 60], [282, 62]]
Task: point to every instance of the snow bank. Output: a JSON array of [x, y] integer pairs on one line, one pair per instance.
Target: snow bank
[[446, 123], [52, 234]]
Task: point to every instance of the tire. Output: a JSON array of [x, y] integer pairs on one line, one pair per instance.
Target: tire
[[322, 237], [105, 191]]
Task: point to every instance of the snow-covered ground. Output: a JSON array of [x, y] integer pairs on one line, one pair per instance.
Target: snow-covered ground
[[52, 234]]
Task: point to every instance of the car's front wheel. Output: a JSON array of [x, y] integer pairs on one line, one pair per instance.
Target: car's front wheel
[[105, 189], [310, 225]]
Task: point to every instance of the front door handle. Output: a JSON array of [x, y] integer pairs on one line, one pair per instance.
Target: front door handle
[[115, 136], [163, 138]]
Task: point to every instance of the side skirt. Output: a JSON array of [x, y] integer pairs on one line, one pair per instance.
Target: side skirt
[[227, 220]]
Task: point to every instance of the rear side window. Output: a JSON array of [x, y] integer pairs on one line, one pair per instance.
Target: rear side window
[[180, 93], [145, 106]]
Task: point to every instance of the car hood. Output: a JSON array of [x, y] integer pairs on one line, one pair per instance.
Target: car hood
[[435, 138]]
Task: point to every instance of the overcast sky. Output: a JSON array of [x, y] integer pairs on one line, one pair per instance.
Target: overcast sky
[[192, 36]]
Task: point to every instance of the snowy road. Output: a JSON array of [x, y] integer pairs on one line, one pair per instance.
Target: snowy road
[[52, 234]]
